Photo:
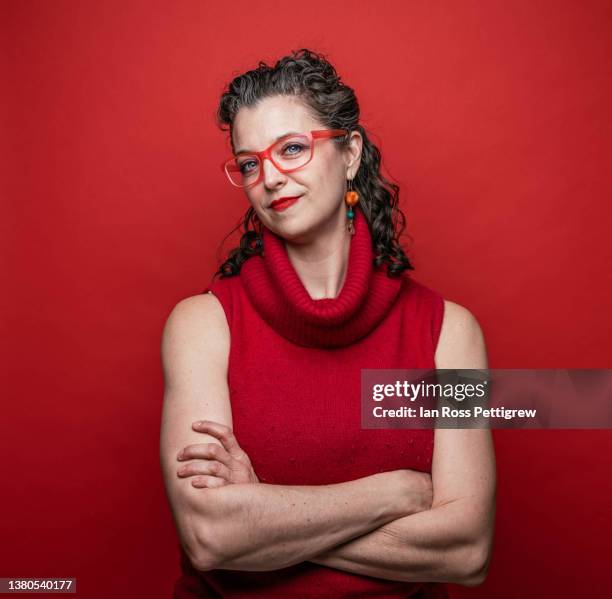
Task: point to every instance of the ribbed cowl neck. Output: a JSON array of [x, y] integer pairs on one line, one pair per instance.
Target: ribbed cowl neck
[[279, 296]]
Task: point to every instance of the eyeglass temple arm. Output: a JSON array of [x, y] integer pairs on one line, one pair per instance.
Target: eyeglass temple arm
[[329, 133]]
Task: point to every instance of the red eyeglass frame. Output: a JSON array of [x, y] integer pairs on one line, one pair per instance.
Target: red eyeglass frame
[[314, 135]]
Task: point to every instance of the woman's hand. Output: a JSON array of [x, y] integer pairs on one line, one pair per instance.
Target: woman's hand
[[216, 465]]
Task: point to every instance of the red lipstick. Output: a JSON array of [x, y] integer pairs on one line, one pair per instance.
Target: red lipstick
[[283, 203]]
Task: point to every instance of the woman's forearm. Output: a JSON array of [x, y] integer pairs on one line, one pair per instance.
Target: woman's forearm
[[443, 544], [266, 527]]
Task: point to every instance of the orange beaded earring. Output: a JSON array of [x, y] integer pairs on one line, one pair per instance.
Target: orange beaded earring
[[351, 198]]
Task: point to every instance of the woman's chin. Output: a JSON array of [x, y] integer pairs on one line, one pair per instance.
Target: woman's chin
[[294, 229], [290, 230]]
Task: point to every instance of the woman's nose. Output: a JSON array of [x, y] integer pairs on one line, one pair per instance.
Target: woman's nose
[[271, 175]]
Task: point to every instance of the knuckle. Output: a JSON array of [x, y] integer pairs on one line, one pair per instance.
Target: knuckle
[[224, 429], [227, 437], [207, 481]]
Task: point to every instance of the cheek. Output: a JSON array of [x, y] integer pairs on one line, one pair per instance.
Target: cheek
[[254, 198], [335, 185], [334, 172], [328, 179]]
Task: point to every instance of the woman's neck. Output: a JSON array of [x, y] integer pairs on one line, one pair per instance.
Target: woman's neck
[[322, 264]]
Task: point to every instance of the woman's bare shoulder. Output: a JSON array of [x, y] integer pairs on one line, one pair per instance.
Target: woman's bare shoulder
[[202, 310], [461, 343], [197, 325]]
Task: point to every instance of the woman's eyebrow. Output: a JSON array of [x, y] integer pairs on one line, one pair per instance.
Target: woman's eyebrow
[[279, 137]]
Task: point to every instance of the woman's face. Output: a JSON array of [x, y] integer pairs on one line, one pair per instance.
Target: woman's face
[[320, 184]]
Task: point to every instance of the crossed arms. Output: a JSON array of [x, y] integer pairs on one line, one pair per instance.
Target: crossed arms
[[397, 525]]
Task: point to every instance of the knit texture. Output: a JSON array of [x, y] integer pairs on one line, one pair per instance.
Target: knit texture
[[278, 294]]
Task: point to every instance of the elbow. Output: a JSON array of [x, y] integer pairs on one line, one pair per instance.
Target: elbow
[[474, 566], [204, 562], [200, 537], [202, 549]]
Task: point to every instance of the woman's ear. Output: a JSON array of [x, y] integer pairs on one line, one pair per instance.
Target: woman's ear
[[353, 151]]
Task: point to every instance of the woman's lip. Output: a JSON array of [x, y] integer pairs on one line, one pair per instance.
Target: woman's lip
[[284, 203]]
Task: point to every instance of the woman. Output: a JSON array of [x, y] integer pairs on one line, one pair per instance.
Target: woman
[[279, 492]]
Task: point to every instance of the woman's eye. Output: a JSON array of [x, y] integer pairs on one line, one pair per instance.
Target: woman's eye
[[297, 148], [248, 166]]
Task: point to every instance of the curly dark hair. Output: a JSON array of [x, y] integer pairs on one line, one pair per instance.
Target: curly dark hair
[[309, 76]]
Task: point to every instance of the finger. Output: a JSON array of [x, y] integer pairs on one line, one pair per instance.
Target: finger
[[211, 467], [223, 433], [208, 482], [205, 451]]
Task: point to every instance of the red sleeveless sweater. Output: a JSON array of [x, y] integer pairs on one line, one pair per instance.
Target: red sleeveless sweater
[[294, 378]]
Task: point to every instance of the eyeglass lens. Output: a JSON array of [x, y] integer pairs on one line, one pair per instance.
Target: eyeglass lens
[[289, 154]]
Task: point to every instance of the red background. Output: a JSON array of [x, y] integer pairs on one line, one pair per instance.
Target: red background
[[494, 117]]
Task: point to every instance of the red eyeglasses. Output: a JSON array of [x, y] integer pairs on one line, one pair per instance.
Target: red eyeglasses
[[289, 153]]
